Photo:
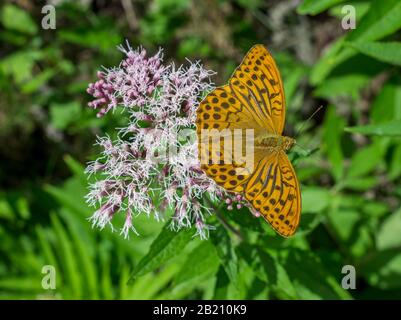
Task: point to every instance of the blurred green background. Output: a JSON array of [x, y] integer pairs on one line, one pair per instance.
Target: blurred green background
[[350, 183]]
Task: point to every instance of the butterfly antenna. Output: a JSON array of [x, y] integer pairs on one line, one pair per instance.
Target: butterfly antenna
[[303, 149], [299, 131]]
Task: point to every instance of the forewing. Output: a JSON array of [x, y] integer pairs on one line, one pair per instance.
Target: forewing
[[257, 84]]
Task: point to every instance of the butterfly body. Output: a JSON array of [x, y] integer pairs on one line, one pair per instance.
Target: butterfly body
[[274, 142], [252, 101]]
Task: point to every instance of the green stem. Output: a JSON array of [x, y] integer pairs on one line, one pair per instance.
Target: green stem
[[223, 221]]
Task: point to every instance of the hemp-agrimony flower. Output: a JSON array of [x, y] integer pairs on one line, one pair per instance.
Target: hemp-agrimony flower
[[152, 166]]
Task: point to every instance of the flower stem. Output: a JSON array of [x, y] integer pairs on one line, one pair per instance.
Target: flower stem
[[223, 221]]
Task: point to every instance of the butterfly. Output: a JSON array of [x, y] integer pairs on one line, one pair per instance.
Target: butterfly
[[252, 100]]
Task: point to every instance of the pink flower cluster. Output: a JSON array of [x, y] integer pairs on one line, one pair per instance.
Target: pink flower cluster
[[238, 201], [129, 85], [151, 169]]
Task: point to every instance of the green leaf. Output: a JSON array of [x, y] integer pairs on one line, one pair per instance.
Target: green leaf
[[361, 8], [390, 129], [69, 200], [315, 199], [201, 263], [28, 283], [291, 83], [63, 114], [226, 253], [387, 104], [76, 168], [389, 52], [193, 46], [375, 208], [332, 57], [68, 259], [350, 84], [268, 269], [363, 242], [389, 234], [383, 269], [17, 19], [310, 278], [343, 222], [394, 170], [250, 4], [244, 219], [48, 252], [152, 284], [85, 257], [98, 38], [105, 282], [314, 7], [20, 64], [360, 183], [38, 81], [381, 20], [7, 211], [167, 245], [333, 131], [221, 286], [365, 160]]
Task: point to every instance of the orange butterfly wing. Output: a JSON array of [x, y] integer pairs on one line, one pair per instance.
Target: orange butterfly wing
[[257, 84], [273, 190], [253, 99]]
